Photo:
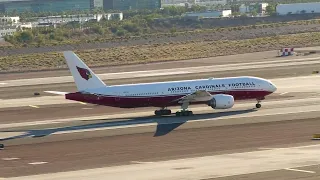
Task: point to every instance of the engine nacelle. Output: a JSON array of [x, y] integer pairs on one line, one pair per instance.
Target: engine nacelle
[[221, 101]]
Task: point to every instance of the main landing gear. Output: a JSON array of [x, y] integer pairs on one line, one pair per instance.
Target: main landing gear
[[1, 146], [258, 105], [162, 112], [184, 111]]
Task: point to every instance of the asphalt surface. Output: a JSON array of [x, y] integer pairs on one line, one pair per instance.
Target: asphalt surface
[[289, 117], [305, 173], [51, 107], [109, 151], [286, 70]]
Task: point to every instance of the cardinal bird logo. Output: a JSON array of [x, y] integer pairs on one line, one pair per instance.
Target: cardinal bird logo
[[84, 73]]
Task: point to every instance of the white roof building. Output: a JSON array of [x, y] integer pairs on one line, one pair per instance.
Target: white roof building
[[13, 20], [209, 14], [298, 8]]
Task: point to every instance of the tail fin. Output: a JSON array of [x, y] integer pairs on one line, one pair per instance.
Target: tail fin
[[82, 74]]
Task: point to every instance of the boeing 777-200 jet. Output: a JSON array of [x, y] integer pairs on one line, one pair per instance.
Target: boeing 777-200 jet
[[219, 93]]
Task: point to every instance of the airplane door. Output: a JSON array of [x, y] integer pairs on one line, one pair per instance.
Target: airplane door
[[148, 101], [117, 98]]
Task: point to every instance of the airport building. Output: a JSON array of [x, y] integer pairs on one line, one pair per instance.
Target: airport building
[[7, 30], [259, 7], [209, 14], [210, 2], [80, 18], [298, 8], [48, 5], [189, 3], [9, 20], [75, 5], [96, 4], [131, 4]]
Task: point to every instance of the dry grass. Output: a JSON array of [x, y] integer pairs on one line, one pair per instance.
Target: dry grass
[[4, 44], [156, 53], [94, 38]]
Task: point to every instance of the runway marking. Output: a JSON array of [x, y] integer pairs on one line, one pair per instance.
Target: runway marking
[[224, 165], [3, 83], [140, 162], [283, 93], [33, 106], [87, 108], [37, 163], [293, 147], [10, 159], [298, 170], [151, 122], [268, 148]]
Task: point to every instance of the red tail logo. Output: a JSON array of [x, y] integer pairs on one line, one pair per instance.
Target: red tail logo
[[84, 73]]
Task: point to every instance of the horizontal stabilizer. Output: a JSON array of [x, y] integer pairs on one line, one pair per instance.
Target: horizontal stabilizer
[[57, 92]]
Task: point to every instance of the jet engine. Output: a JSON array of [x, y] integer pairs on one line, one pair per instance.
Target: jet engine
[[221, 101]]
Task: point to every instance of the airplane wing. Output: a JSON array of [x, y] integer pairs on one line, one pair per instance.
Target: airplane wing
[[195, 96]]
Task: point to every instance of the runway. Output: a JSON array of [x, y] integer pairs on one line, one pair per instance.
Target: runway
[[265, 67], [63, 138], [170, 72], [239, 58], [96, 152], [204, 167], [111, 125]]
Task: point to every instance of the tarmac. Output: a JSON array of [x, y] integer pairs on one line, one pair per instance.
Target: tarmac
[[48, 137]]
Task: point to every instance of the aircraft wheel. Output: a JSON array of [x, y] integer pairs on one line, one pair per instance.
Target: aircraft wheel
[[258, 105], [167, 112], [157, 113], [188, 113], [184, 113], [1, 146], [162, 112]]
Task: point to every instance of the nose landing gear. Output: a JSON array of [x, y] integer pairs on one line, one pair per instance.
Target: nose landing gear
[[258, 105]]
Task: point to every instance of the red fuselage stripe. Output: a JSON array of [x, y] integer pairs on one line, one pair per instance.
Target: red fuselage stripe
[[155, 101]]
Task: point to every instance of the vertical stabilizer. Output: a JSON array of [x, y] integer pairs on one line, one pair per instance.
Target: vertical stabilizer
[[82, 74]]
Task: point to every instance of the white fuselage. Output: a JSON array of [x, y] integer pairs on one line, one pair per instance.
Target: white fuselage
[[188, 86]]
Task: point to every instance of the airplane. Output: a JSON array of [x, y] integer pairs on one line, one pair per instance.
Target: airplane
[[218, 93]]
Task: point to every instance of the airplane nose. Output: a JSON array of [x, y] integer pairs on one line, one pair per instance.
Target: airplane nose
[[273, 87]]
